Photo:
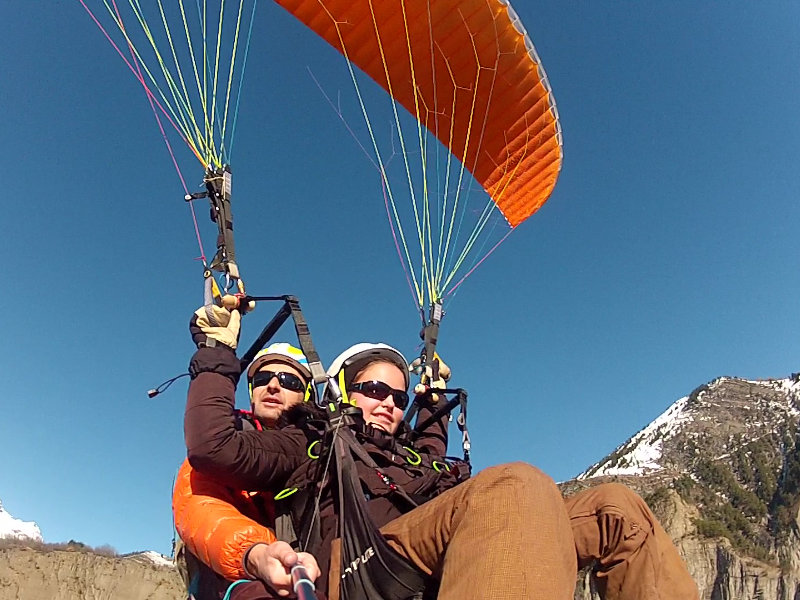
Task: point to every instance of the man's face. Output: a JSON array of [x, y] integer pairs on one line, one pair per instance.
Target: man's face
[[270, 398]]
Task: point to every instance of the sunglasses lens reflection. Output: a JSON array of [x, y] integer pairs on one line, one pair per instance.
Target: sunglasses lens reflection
[[378, 390], [287, 381]]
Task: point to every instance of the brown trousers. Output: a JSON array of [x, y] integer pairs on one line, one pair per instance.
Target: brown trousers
[[507, 533], [634, 557]]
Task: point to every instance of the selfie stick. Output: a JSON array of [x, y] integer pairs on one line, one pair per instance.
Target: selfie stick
[[303, 586]]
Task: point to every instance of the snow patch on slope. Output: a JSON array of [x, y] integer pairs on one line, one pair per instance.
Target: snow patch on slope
[[791, 387], [157, 559], [15, 528], [642, 453]]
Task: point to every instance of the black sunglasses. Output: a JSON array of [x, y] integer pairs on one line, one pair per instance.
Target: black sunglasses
[[377, 390], [288, 381]]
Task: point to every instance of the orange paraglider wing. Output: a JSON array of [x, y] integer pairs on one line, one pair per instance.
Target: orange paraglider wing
[[469, 73]]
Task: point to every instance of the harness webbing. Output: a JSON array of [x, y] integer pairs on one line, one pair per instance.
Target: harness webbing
[[290, 308], [370, 568], [218, 186], [430, 337], [358, 450], [460, 400]]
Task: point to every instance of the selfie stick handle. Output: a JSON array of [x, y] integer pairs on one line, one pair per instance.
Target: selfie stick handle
[[302, 584]]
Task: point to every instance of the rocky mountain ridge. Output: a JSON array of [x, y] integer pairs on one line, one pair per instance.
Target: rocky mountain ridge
[[36, 572], [719, 416]]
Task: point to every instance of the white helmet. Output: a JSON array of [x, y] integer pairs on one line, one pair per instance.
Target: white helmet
[[347, 365]]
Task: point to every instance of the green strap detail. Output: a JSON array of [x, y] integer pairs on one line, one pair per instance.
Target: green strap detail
[[310, 455], [414, 459], [436, 468], [285, 493]]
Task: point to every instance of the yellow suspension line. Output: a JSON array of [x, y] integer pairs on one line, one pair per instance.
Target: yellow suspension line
[[490, 206], [211, 117], [230, 75], [179, 107], [442, 256], [378, 156], [401, 139], [176, 115], [494, 197], [202, 88], [466, 141], [181, 95], [426, 225]]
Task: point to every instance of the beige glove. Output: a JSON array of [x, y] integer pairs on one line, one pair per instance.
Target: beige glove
[[426, 376], [212, 325]]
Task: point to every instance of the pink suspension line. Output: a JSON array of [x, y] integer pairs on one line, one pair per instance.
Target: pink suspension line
[[382, 174], [396, 243], [137, 72]]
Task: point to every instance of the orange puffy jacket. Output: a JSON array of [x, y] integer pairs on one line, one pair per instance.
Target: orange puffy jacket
[[219, 524]]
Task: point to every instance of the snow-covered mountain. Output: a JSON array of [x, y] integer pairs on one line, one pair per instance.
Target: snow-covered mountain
[[15, 528], [721, 470], [712, 421]]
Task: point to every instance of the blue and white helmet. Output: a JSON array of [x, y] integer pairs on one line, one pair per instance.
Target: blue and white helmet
[[280, 352]]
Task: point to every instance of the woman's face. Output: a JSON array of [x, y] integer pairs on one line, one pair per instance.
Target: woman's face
[[381, 413]]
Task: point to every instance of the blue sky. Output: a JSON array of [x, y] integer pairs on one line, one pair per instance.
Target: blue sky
[[666, 256]]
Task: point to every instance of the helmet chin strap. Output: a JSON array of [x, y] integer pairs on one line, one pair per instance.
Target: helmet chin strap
[[343, 388]]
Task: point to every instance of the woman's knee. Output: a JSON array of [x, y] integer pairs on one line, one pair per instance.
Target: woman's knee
[[521, 477]]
